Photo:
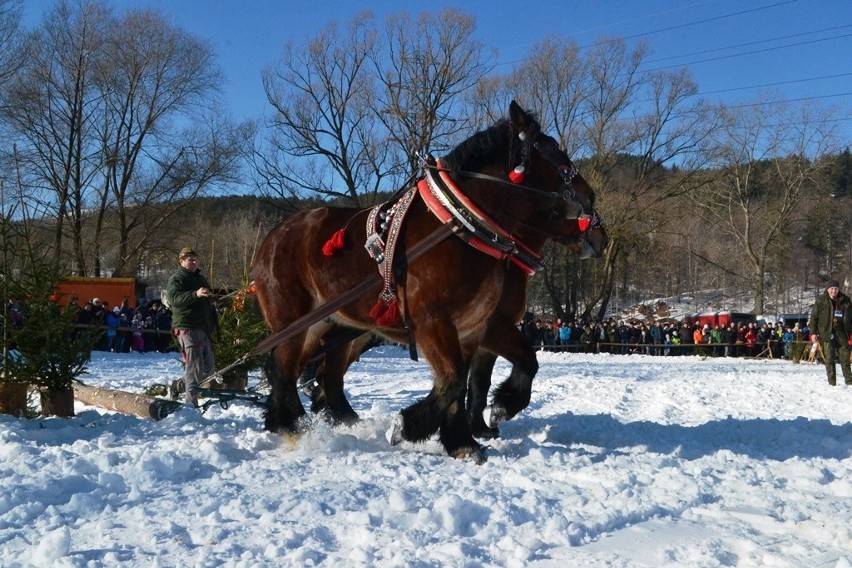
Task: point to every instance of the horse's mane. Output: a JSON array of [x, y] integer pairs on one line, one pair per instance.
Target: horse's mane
[[480, 149], [498, 140]]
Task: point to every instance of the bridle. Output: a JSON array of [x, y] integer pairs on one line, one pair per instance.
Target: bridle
[[566, 171], [591, 222], [586, 222]]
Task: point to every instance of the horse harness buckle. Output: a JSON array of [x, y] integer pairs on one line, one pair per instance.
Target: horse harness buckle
[[375, 247]]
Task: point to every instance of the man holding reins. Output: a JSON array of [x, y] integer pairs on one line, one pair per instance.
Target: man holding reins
[[193, 321]]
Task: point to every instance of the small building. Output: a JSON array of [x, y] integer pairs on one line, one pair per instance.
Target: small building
[[112, 290], [720, 318]]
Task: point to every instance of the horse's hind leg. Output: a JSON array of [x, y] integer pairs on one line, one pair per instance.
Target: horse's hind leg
[[329, 395], [283, 407], [340, 347], [479, 382]]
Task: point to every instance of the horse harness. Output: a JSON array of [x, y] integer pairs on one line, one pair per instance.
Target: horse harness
[[452, 207]]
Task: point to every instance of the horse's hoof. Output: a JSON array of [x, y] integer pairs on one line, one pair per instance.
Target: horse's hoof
[[476, 453], [394, 433], [485, 433], [348, 419], [308, 387], [493, 415]]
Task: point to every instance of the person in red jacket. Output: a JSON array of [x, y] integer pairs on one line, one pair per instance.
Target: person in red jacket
[[750, 340]]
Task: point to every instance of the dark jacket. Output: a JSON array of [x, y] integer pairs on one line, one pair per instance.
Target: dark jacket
[[188, 310], [822, 317]]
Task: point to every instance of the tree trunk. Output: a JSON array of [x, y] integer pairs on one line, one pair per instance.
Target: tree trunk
[[608, 281], [759, 295], [57, 403], [13, 398], [126, 402]]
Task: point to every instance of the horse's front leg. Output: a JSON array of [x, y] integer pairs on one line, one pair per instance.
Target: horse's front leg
[[443, 408], [513, 395], [478, 384]]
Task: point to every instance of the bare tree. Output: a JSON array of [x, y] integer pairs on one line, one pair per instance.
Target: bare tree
[[768, 157], [160, 149], [50, 103], [553, 82], [109, 115], [10, 38], [10, 61], [627, 129], [323, 136], [424, 70], [352, 107], [639, 125]]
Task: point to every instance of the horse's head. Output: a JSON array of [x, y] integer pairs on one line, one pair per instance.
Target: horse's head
[[520, 178], [546, 167], [572, 218]]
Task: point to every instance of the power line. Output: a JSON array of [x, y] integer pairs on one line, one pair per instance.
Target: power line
[[797, 100], [747, 44], [678, 26], [747, 53], [644, 17], [774, 84], [713, 19], [730, 56]]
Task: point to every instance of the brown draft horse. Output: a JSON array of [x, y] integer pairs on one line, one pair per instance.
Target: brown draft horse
[[447, 297], [342, 347]]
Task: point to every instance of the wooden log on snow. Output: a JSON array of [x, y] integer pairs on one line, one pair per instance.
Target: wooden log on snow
[[126, 402]]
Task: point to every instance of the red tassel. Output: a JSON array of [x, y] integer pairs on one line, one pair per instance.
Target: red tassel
[[386, 314], [391, 316], [377, 310], [517, 175], [334, 244]]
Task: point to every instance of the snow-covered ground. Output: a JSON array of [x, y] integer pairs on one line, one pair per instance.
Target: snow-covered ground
[[619, 461]]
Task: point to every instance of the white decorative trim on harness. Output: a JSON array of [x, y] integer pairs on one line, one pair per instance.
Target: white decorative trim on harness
[[382, 250], [447, 202]]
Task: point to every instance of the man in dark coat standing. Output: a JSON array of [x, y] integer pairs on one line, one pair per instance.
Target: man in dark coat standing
[[193, 321], [831, 325]]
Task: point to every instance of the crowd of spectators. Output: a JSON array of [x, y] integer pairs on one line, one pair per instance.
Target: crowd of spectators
[[669, 337], [123, 328], [148, 328]]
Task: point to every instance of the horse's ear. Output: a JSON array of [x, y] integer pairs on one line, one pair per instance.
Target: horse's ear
[[516, 113], [522, 121]]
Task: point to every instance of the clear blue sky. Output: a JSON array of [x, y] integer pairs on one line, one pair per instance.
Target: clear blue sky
[[734, 49]]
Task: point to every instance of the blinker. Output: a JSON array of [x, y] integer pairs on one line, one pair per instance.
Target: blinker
[[583, 223]]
